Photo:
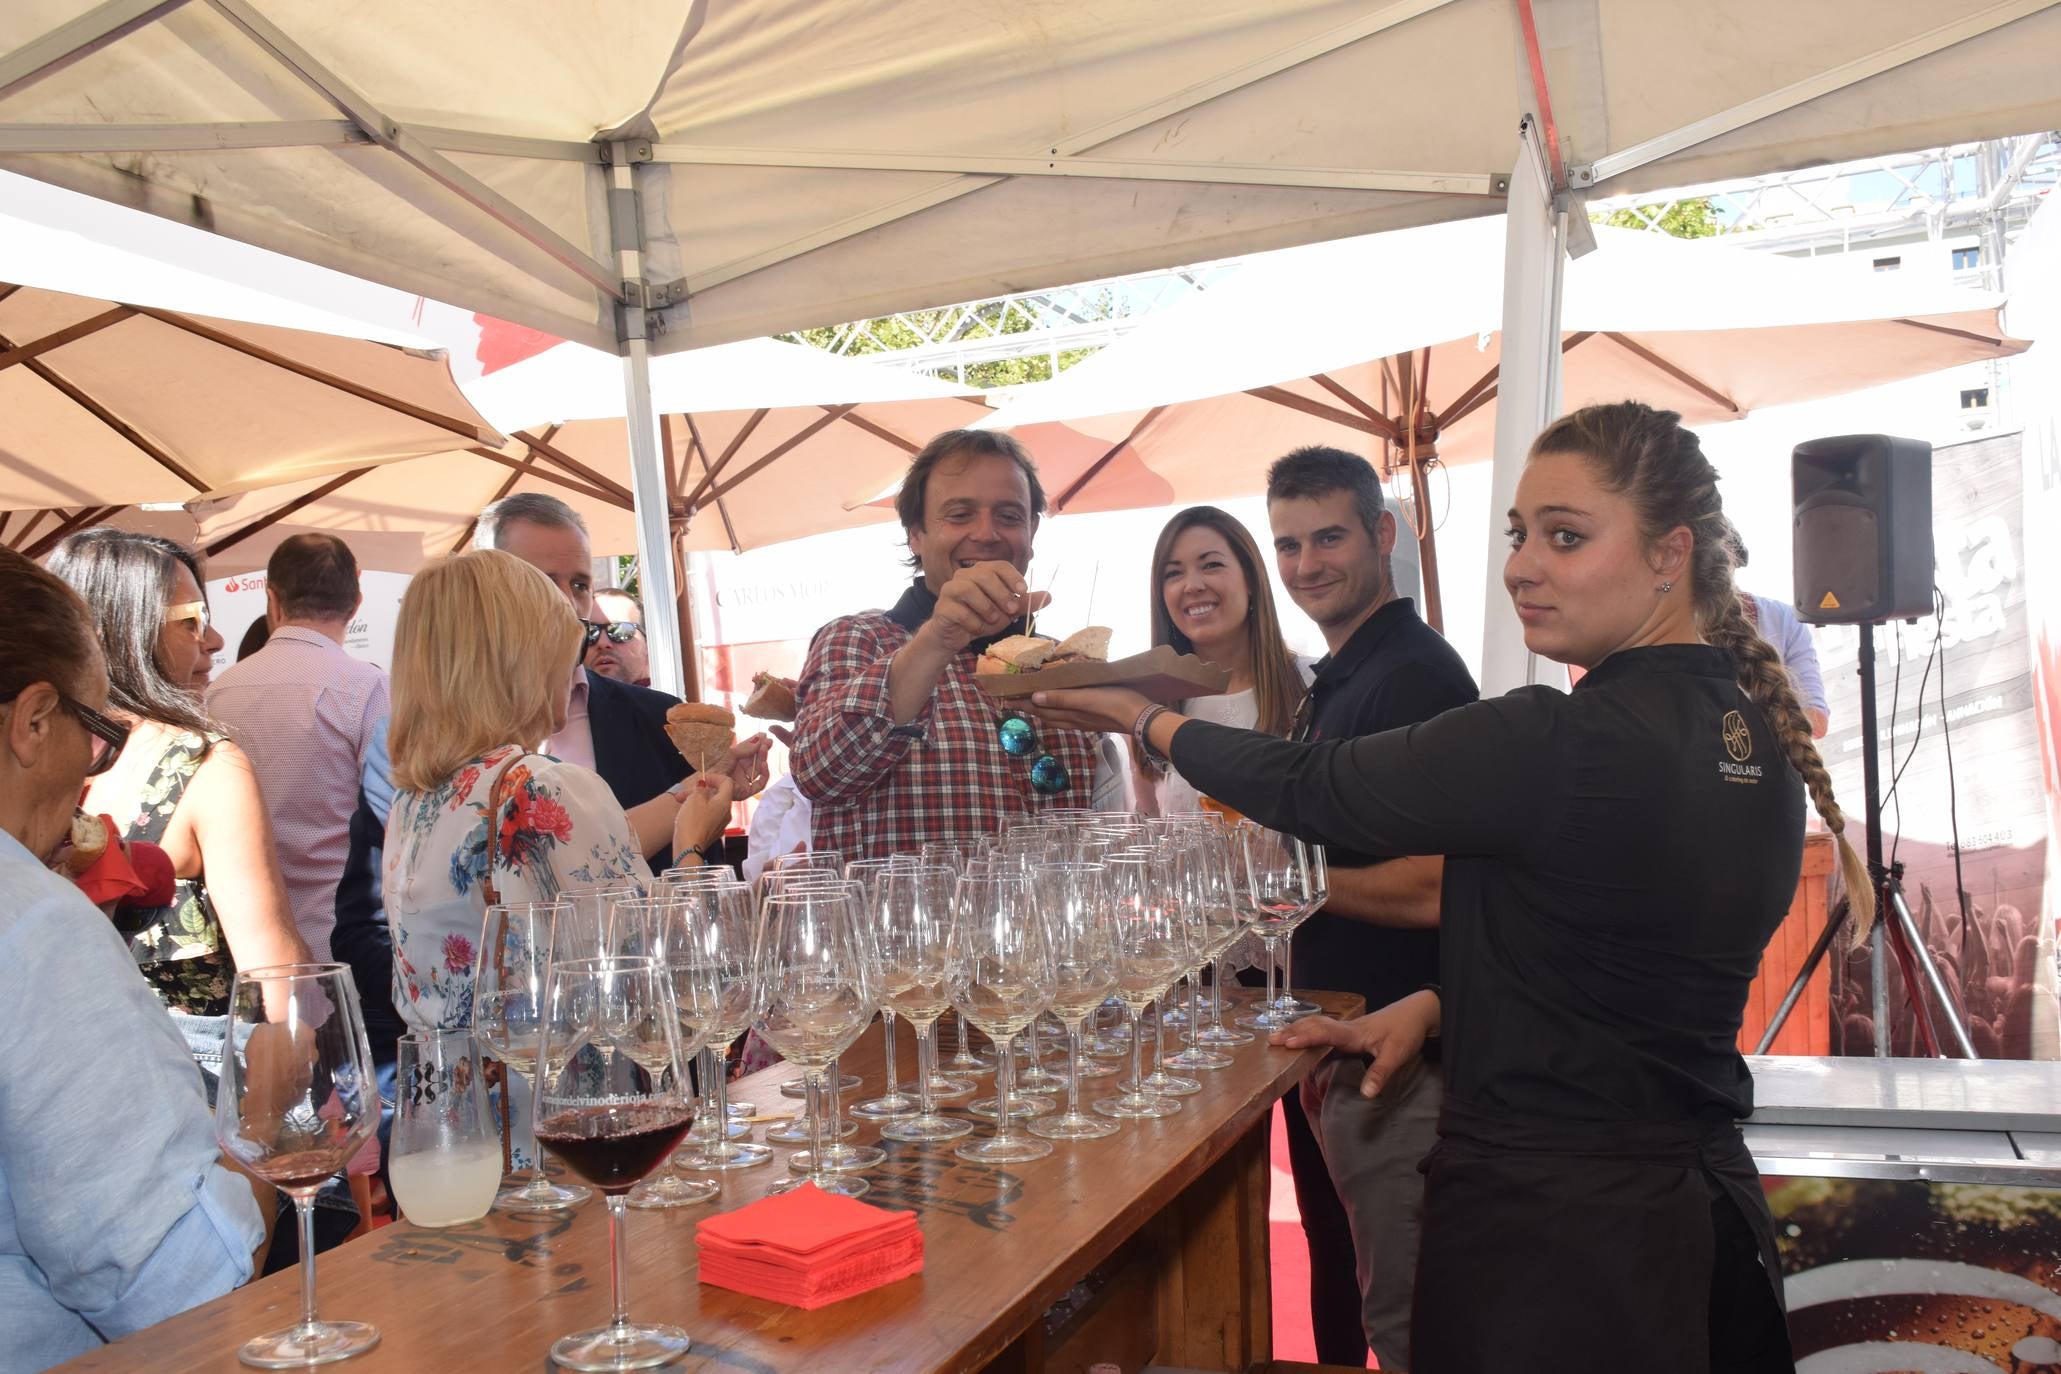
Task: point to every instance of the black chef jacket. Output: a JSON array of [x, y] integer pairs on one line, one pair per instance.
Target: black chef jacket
[[1616, 859], [1394, 671]]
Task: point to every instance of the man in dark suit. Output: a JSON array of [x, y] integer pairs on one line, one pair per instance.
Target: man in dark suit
[[615, 728]]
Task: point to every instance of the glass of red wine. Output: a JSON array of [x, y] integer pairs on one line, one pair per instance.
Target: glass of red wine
[[298, 1100], [613, 1103]]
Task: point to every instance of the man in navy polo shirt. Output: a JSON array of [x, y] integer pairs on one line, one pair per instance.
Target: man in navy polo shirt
[[1355, 1161]]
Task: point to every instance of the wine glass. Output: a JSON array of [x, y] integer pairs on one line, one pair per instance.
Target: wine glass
[[915, 926], [999, 975], [1073, 900], [1211, 898], [838, 1157], [871, 874], [818, 998], [796, 1132], [1280, 887], [667, 925], [1165, 859], [1288, 1004], [516, 946], [1150, 951], [298, 1099], [612, 1103], [724, 921]]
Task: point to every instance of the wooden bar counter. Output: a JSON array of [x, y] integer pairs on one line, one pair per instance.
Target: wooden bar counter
[[1146, 1247]]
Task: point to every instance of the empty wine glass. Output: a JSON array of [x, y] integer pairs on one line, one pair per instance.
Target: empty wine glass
[[870, 875], [1166, 860], [836, 1156], [612, 1102], [695, 999], [1288, 1004], [818, 998], [724, 921], [298, 1099], [998, 971], [516, 945], [1215, 918], [1151, 948], [915, 928], [1280, 887], [1073, 900]]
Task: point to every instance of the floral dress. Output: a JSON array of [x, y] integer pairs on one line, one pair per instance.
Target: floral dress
[[179, 948], [537, 827]]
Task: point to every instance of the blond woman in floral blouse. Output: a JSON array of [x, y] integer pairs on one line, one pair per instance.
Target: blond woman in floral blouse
[[482, 653]]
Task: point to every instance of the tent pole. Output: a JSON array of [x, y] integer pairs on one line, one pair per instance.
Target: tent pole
[[634, 324], [1527, 385]]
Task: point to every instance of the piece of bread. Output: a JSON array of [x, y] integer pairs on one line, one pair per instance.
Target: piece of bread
[[1083, 646], [1016, 654], [770, 699], [702, 734], [85, 844]]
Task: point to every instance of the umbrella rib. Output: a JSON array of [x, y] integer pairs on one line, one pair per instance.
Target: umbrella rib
[[693, 501], [1095, 469], [1465, 403], [1671, 370], [526, 467], [114, 422], [36, 517], [573, 465], [780, 450], [722, 507], [71, 333], [78, 520], [299, 503], [528, 463], [1345, 393], [1304, 404], [882, 433], [316, 374], [1957, 333]]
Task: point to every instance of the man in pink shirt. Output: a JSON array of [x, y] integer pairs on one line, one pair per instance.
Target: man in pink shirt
[[305, 711]]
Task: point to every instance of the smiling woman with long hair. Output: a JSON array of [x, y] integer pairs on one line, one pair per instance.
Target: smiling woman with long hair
[[180, 782], [1211, 598], [1616, 858]]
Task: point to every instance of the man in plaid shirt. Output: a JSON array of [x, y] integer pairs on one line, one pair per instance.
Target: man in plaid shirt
[[894, 742]]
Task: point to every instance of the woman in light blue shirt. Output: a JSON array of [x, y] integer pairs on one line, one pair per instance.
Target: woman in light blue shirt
[[114, 1210]]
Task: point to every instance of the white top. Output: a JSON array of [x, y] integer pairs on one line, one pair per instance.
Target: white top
[[1239, 710]]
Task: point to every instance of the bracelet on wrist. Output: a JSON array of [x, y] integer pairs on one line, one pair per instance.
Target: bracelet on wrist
[[1141, 734]]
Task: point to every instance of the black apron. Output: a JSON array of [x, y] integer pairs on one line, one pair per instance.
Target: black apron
[[1554, 1246]]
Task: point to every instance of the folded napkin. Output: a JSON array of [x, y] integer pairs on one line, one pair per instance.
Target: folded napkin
[[808, 1248]]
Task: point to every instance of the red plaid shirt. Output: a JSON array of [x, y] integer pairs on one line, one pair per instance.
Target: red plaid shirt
[[878, 793]]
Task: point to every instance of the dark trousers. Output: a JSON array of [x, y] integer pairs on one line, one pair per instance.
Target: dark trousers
[[1334, 1286]]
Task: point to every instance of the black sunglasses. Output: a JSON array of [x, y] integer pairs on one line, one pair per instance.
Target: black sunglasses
[[1019, 738], [615, 631], [109, 734]]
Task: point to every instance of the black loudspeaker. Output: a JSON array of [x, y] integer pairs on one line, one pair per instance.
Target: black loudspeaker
[[1863, 529]]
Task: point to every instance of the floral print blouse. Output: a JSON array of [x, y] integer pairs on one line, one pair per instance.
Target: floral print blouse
[[533, 825]]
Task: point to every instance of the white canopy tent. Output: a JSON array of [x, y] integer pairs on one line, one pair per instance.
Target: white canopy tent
[[649, 175]]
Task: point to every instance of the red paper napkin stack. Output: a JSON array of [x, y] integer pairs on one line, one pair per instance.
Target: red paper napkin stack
[[808, 1248]]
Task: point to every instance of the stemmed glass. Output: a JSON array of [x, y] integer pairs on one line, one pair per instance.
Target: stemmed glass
[[1280, 886], [915, 925], [1073, 900], [1288, 1004], [612, 1101], [816, 973], [1216, 920], [298, 1099], [1151, 949], [998, 972], [709, 1066], [871, 875], [516, 945], [724, 923], [668, 933], [839, 1157]]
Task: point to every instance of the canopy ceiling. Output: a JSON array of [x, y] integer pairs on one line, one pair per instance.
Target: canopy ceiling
[[796, 164]]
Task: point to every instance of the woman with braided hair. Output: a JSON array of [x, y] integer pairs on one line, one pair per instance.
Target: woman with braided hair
[[1616, 858]]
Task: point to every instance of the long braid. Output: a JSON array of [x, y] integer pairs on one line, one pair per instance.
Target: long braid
[[1648, 455]]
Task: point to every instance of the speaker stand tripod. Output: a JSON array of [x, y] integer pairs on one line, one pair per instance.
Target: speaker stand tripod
[[1896, 932]]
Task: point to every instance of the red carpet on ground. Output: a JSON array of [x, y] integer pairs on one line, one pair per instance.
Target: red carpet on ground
[[1291, 1259]]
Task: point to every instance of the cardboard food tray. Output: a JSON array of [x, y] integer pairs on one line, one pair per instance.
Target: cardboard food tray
[[1160, 673]]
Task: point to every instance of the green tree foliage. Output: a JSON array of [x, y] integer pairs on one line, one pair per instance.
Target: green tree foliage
[[1685, 219], [991, 319]]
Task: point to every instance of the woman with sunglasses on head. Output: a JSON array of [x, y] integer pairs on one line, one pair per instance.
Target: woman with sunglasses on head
[[1211, 598], [179, 783], [118, 1215], [1616, 859]]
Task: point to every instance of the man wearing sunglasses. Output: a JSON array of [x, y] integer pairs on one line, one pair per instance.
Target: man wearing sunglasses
[[894, 742], [615, 639]]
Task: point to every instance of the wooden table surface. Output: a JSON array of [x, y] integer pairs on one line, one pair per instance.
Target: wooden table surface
[[1001, 1246]]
